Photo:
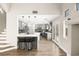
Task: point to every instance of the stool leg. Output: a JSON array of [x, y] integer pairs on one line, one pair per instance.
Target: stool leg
[[29, 46], [25, 45], [18, 45]]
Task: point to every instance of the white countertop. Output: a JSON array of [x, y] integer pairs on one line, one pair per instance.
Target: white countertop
[[28, 35], [31, 35]]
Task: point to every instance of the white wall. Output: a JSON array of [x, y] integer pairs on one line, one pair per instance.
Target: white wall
[[25, 9], [70, 43], [74, 14], [74, 20], [42, 8], [64, 43]]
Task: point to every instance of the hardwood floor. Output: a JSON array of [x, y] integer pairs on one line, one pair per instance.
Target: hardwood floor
[[46, 48]]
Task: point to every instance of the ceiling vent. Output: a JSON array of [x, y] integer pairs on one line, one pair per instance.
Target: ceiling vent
[[35, 12]]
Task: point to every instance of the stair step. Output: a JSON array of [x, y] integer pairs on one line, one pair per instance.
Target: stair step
[[2, 48], [3, 32], [2, 39], [7, 49], [1, 35], [3, 43]]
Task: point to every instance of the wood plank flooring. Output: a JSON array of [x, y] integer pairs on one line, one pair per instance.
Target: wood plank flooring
[[46, 48]]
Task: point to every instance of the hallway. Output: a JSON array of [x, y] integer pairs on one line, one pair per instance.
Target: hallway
[[58, 22], [46, 48]]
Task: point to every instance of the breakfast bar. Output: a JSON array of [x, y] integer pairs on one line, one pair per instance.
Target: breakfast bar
[[28, 41]]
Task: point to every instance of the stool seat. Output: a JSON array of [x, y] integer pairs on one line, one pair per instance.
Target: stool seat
[[22, 39], [29, 39]]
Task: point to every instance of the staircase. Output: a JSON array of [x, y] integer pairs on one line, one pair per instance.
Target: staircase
[[4, 44]]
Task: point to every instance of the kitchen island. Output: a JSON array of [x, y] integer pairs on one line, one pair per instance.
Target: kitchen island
[[25, 38]]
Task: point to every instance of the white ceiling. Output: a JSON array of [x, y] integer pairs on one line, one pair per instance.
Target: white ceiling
[[47, 18], [38, 18], [6, 6]]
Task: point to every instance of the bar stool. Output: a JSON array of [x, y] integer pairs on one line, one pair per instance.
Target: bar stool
[[25, 43], [21, 42], [29, 41]]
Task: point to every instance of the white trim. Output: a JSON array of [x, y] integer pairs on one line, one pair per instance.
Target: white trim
[[62, 47], [1, 46], [7, 49]]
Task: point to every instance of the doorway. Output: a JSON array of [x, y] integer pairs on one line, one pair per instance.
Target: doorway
[[2, 21]]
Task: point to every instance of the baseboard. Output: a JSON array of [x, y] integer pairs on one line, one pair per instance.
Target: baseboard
[[5, 50], [61, 47]]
